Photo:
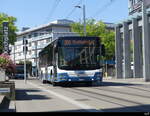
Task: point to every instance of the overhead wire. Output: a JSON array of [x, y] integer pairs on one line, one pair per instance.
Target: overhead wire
[[54, 6], [103, 8], [71, 12]]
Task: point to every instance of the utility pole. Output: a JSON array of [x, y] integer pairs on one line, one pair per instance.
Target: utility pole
[[36, 74], [14, 53], [25, 51], [84, 19]]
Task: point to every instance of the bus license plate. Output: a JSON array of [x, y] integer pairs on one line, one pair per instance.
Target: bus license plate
[[81, 79]]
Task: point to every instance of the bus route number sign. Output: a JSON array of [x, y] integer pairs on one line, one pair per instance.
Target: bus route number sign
[[78, 42]]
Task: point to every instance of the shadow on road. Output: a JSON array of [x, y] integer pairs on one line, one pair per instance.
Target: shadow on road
[[22, 94], [4, 106], [76, 111], [139, 108], [99, 84], [117, 84], [132, 109]]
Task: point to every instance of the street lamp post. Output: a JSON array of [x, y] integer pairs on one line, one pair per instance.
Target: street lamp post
[[84, 19]]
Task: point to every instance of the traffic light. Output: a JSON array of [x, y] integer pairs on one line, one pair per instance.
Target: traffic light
[[25, 49], [25, 42], [9, 51]]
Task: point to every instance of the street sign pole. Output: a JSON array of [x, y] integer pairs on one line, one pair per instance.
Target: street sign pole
[[24, 46], [5, 38]]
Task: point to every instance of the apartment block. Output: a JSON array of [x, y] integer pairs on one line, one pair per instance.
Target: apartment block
[[37, 38]]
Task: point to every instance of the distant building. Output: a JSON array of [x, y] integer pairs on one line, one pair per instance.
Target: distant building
[[38, 38], [110, 26], [135, 6]]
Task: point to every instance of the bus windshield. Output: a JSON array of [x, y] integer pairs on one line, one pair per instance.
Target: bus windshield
[[19, 69], [78, 58]]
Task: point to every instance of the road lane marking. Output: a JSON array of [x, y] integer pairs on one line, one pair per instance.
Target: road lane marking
[[79, 104]]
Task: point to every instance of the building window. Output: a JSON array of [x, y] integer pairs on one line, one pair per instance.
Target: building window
[[33, 52], [29, 44], [34, 43], [30, 52], [15, 47], [49, 30], [19, 54], [24, 36], [48, 40], [35, 34], [29, 36], [41, 34]]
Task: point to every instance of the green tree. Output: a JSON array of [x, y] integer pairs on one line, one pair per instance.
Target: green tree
[[109, 43], [98, 28], [11, 26]]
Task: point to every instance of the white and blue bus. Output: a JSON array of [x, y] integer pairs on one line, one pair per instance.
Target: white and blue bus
[[71, 59]]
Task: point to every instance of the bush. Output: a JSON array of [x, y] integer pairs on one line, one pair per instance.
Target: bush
[[6, 63]]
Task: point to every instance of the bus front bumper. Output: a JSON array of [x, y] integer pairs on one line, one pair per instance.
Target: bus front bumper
[[65, 78]]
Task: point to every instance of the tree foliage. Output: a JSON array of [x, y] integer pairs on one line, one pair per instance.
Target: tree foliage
[[12, 29], [98, 28]]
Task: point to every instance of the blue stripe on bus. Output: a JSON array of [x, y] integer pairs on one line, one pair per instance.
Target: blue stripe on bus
[[72, 78]]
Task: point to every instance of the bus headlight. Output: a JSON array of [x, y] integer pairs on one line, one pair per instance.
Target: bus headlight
[[98, 75]]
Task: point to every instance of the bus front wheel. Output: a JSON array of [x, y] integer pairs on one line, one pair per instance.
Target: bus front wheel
[[44, 81], [55, 84], [89, 83]]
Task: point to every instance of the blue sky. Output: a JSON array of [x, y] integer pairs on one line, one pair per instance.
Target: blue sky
[[31, 13]]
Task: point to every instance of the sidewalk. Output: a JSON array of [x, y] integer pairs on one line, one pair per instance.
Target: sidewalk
[[32, 99], [127, 80]]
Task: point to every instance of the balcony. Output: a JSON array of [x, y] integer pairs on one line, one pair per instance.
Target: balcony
[[34, 47], [41, 37], [40, 46], [18, 43], [33, 56]]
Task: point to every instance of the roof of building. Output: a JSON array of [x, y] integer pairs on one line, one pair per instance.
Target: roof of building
[[109, 25], [62, 23]]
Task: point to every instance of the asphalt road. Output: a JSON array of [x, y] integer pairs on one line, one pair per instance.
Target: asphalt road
[[131, 95]]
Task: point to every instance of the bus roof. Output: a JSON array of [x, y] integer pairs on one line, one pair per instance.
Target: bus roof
[[78, 37]]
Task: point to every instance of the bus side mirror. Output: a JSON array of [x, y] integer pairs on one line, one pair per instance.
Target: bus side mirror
[[103, 50]]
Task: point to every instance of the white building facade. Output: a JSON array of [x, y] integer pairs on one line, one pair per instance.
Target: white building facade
[[38, 38]]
